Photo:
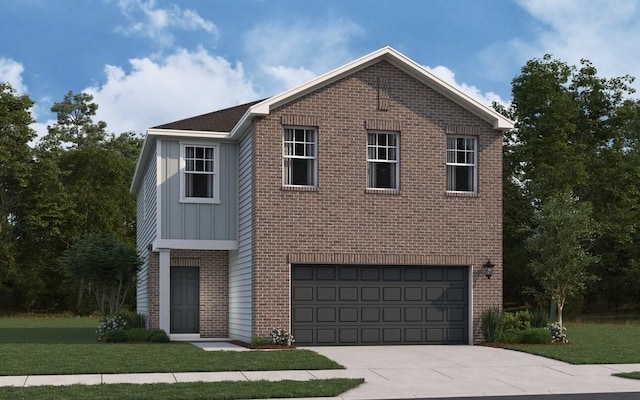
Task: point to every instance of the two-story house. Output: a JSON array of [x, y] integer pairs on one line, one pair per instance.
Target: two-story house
[[362, 207]]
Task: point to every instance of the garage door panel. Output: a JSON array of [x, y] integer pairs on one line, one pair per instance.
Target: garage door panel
[[326, 294], [394, 305], [370, 294], [303, 293]]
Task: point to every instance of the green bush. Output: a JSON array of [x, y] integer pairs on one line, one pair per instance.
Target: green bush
[[258, 341], [133, 319], [158, 336], [511, 336], [540, 318], [535, 336], [492, 325], [138, 335], [116, 336], [520, 320]]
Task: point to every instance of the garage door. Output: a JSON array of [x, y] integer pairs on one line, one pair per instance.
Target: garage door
[[379, 305]]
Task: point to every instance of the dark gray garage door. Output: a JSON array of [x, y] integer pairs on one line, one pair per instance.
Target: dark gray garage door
[[371, 305]]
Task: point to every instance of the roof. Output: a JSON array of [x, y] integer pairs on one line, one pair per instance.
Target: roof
[[217, 121], [232, 123]]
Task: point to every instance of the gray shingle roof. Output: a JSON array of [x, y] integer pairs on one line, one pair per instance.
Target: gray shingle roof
[[217, 121]]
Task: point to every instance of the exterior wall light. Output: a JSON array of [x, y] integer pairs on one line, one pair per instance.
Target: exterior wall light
[[488, 269]]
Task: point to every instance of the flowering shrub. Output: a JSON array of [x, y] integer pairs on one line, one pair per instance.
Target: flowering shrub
[[112, 329], [558, 334], [281, 337]]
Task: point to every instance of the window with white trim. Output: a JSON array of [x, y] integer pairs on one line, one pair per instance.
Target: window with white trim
[[299, 157], [462, 168], [199, 173], [383, 170]]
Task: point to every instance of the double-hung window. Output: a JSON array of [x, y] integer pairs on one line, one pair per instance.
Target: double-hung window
[[382, 160], [199, 175], [299, 157], [462, 171]]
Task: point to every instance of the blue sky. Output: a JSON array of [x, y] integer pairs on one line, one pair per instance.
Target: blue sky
[[149, 62]]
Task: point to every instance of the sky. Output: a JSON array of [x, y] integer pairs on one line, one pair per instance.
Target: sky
[[148, 62]]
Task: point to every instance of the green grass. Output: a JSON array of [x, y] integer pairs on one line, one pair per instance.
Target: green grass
[[43, 346], [191, 391], [593, 343]]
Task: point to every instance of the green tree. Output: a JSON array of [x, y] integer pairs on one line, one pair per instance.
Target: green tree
[[15, 169], [562, 235], [106, 265], [579, 132]]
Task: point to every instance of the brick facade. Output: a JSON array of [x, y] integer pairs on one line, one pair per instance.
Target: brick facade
[[214, 288], [344, 223]]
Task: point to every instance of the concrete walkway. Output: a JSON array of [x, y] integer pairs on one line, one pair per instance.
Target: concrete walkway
[[403, 372]]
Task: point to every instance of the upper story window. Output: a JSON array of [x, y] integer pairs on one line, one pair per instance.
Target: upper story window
[[462, 171], [299, 157], [199, 173], [383, 170]]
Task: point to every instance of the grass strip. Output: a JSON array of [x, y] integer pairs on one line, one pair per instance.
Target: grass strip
[[63, 359], [190, 391], [629, 375], [591, 343]]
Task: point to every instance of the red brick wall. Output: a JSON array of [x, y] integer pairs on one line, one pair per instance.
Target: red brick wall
[[341, 222]]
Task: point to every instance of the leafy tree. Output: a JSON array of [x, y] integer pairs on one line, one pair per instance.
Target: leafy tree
[[15, 169], [575, 132], [106, 265], [561, 237]]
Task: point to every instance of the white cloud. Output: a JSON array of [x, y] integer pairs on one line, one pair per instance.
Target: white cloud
[[11, 72], [156, 23], [604, 32], [449, 77], [304, 48], [182, 85]]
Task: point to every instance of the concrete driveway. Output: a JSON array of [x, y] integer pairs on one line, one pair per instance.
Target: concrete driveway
[[393, 372]]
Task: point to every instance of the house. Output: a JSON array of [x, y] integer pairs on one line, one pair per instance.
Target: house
[[358, 208]]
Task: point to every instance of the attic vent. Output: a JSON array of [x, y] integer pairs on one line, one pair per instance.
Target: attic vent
[[300, 120], [185, 262], [462, 130], [383, 93], [382, 125]]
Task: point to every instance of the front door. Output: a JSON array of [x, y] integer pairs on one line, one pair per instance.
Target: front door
[[185, 305]]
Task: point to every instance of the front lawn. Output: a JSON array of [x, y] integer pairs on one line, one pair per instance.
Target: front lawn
[[50, 346], [593, 343], [190, 391]]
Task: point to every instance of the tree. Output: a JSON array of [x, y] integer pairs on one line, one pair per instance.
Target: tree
[[15, 169], [575, 132], [106, 266], [561, 237]]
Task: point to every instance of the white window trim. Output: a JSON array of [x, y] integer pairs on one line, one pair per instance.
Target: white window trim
[[216, 174], [475, 165], [396, 162], [315, 157]]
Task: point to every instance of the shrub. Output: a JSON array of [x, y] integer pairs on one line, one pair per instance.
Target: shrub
[[281, 337], [510, 336], [138, 335], [539, 318], [111, 329], [520, 320], [492, 325], [158, 336], [133, 319], [558, 334], [258, 341], [535, 336]]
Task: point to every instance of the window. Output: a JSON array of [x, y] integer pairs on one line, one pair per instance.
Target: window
[[199, 173], [382, 161], [299, 157], [461, 164]]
